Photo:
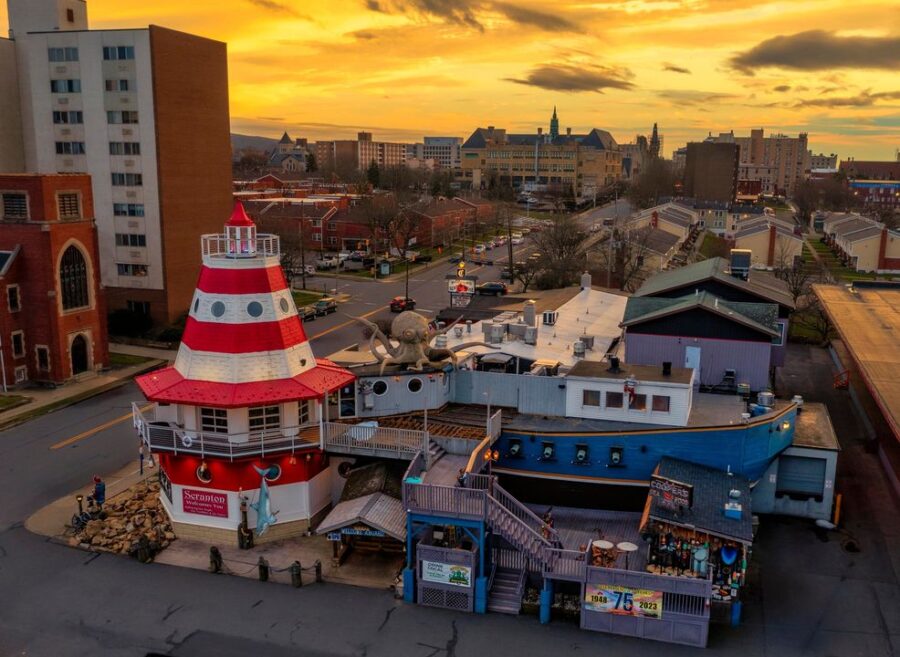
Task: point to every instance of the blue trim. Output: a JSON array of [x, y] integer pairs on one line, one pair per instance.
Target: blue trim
[[481, 595], [546, 601]]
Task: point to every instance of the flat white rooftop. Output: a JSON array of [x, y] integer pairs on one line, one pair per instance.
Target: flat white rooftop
[[588, 313]]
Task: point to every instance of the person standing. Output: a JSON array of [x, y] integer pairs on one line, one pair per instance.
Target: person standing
[[99, 491]]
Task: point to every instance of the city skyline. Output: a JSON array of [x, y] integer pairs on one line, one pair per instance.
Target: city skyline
[[406, 68]]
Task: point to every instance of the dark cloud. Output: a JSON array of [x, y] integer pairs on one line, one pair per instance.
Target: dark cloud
[[690, 97], [465, 13], [272, 5], [781, 88], [563, 77], [676, 69], [818, 50], [863, 99], [524, 16]]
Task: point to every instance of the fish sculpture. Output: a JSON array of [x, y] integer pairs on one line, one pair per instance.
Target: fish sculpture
[[263, 505]]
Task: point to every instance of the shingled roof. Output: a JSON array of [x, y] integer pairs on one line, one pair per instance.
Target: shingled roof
[[716, 269], [761, 317]]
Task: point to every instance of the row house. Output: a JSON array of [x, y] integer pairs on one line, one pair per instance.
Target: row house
[[862, 243]]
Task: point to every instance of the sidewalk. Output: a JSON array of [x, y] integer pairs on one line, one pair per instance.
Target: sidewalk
[[44, 400], [146, 352], [54, 519], [375, 570]]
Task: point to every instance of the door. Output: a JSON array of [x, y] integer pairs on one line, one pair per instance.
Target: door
[[692, 360], [79, 355]]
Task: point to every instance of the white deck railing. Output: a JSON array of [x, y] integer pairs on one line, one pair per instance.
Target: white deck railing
[[373, 440], [166, 436]]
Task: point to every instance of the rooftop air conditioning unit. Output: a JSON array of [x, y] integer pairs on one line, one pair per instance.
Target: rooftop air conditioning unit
[[129, 163], [578, 348], [65, 131], [125, 100], [127, 132], [63, 101], [131, 194], [530, 335], [588, 341], [550, 317]]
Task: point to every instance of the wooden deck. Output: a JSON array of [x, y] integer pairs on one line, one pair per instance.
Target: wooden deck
[[578, 527]]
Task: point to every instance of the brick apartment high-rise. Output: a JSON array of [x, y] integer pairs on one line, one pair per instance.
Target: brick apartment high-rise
[[145, 113]]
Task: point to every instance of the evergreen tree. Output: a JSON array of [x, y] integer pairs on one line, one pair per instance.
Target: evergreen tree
[[373, 174], [311, 164]]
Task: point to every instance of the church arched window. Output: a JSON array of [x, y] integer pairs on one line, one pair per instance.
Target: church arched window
[[73, 279]]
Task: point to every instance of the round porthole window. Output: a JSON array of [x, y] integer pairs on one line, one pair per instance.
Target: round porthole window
[[414, 385], [285, 306], [379, 387], [203, 473], [273, 473], [254, 309], [218, 309]]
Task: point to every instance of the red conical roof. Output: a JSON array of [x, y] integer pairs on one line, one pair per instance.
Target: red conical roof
[[239, 217]]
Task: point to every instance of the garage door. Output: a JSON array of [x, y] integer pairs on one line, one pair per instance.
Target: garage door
[[800, 477]]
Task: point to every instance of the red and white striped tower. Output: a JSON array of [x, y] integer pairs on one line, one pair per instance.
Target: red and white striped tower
[[245, 390]]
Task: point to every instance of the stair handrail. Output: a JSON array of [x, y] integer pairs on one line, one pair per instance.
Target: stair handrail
[[508, 500], [536, 552]]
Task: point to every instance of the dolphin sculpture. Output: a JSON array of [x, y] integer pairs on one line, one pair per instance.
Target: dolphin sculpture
[[263, 506]]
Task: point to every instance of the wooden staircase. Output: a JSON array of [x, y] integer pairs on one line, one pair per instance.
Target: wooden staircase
[[507, 589], [435, 452]]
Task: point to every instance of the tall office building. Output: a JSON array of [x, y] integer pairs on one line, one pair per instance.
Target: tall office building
[[145, 113], [443, 150]]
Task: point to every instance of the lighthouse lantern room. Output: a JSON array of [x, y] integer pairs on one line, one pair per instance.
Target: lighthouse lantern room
[[238, 416]]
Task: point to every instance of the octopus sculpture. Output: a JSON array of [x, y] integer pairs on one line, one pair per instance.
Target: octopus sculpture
[[414, 336]]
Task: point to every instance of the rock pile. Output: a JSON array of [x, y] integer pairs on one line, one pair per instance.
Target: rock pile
[[134, 515]]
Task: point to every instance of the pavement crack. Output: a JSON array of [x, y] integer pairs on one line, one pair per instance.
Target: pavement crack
[[90, 559], [387, 617], [449, 648], [171, 609], [256, 604]]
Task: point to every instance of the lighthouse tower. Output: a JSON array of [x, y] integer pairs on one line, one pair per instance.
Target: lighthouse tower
[[237, 417]]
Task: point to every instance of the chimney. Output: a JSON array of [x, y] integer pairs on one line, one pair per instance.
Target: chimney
[[530, 313], [540, 131], [586, 281], [613, 364], [667, 368], [568, 132]]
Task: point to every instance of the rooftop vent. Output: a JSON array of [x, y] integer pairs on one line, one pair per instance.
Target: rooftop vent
[[667, 368], [614, 364], [550, 317], [578, 348]]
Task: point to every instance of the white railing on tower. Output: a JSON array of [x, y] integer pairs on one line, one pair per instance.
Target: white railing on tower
[[220, 246]]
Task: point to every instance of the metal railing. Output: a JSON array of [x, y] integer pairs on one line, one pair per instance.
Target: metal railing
[[526, 515], [494, 425], [166, 436], [374, 440], [220, 246], [563, 564], [463, 503]]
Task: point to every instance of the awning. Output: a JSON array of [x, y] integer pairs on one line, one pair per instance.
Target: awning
[[379, 511]]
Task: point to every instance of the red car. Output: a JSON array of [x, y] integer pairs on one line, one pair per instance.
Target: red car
[[399, 304]]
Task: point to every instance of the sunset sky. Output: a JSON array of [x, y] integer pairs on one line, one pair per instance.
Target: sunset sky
[[406, 68]]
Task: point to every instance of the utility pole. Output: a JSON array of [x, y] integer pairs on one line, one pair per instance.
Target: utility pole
[[509, 243], [302, 251]]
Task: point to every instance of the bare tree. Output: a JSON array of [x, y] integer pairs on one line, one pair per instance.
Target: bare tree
[[656, 181], [562, 245], [622, 256], [815, 319], [526, 272]]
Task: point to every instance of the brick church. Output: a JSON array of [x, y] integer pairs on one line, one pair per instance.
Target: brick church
[[53, 313]]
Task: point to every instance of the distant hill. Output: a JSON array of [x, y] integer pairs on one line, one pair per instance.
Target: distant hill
[[242, 142]]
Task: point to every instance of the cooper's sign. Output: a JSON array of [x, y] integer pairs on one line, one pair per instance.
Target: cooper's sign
[[670, 493], [204, 502]]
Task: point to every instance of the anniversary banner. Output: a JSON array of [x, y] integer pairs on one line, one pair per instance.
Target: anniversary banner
[[624, 601]]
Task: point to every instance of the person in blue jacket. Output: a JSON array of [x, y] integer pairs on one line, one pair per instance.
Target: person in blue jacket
[[99, 491]]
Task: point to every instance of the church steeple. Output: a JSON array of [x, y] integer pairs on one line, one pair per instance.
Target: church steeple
[[654, 142], [554, 126]]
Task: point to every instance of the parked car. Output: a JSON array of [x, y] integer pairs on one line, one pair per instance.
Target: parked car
[[479, 248], [536, 256], [506, 274], [425, 257], [401, 303], [328, 262], [518, 240], [325, 305], [455, 258], [307, 313], [495, 288], [343, 255]]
